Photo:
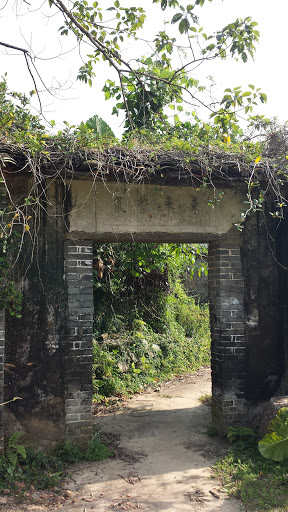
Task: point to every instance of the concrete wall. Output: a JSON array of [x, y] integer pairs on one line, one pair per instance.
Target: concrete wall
[[35, 343], [147, 212]]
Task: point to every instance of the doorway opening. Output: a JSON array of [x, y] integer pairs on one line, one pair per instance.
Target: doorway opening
[[151, 315]]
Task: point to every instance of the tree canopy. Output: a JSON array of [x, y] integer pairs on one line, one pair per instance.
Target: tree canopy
[[166, 76], [144, 87]]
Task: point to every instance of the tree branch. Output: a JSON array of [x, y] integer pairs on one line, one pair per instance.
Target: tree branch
[[12, 47]]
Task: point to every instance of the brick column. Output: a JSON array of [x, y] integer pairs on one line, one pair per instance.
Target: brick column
[[2, 332], [226, 296], [78, 350]]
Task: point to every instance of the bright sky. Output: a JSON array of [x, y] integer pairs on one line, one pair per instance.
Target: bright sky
[[77, 102]]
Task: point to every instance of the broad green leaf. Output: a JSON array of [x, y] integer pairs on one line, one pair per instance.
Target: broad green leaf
[[99, 126], [275, 444]]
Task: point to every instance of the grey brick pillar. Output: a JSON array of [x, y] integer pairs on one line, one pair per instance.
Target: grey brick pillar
[[2, 331], [226, 296], [78, 350]]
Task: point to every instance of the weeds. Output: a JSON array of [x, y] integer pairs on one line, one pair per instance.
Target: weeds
[[206, 399], [70, 453], [41, 470], [261, 484]]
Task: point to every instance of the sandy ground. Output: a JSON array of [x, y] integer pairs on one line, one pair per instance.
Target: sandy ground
[[163, 458]]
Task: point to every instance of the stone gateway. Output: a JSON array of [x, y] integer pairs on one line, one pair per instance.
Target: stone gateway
[[46, 355]]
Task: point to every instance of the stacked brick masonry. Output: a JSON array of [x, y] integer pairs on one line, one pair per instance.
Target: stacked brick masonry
[[78, 351], [226, 296], [2, 332]]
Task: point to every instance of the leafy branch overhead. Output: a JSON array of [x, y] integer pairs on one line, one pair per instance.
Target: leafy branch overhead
[[166, 75]]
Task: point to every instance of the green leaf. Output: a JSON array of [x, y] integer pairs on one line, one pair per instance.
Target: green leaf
[[244, 56], [275, 444], [263, 97], [177, 17], [184, 26], [99, 126], [210, 47]]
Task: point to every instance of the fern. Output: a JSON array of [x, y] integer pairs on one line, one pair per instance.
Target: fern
[[12, 458], [14, 438], [14, 450], [239, 432]]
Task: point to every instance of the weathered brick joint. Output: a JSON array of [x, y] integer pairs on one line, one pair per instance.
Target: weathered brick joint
[[226, 295], [78, 350]]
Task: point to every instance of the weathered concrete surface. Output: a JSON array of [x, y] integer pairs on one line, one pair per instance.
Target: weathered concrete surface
[[35, 343], [265, 310], [121, 212]]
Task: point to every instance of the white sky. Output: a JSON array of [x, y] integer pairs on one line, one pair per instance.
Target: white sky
[[78, 102]]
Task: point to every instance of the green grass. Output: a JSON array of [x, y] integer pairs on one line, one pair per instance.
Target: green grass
[[261, 484]]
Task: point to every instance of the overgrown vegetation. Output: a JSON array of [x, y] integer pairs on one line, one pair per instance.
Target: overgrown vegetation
[[261, 484], [146, 326], [27, 467], [148, 87]]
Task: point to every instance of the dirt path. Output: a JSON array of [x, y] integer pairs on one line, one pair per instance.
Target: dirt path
[[163, 459]]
